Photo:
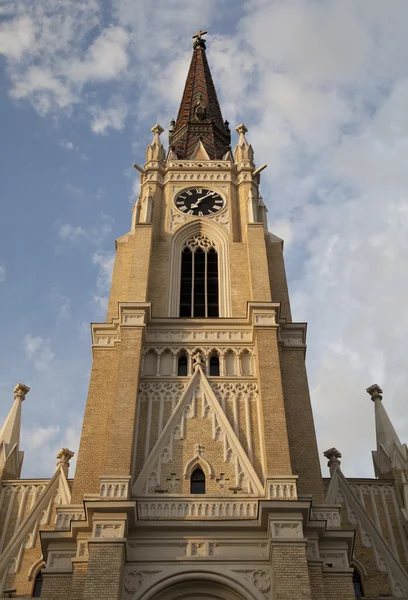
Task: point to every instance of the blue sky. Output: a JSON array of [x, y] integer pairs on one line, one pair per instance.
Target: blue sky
[[323, 90]]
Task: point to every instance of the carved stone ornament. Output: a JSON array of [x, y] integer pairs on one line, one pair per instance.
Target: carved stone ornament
[[20, 391], [286, 529], [265, 320], [60, 560], [109, 530], [375, 392], [186, 509], [259, 578], [134, 581], [176, 219], [199, 335], [198, 360], [333, 455]]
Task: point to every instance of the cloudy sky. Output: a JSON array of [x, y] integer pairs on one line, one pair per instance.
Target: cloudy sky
[[322, 87]]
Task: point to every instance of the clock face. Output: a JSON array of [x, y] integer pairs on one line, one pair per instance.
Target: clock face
[[199, 202]]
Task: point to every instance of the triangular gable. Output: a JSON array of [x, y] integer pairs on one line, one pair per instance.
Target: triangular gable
[[28, 528], [200, 153], [370, 535], [231, 442]]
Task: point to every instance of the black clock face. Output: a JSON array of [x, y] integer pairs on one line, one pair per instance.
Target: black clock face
[[199, 202]]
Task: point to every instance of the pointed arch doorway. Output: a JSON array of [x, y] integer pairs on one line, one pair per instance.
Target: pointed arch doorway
[[201, 585], [198, 590]]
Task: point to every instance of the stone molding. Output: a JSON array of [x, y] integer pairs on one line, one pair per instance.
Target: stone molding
[[281, 488], [130, 315], [59, 559], [208, 509], [292, 335], [66, 514], [330, 514], [108, 529], [114, 487], [198, 335], [286, 530]]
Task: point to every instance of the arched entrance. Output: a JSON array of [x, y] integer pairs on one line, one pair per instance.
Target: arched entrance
[[198, 590], [200, 585]]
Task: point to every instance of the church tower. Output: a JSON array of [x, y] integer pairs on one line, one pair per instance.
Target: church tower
[[198, 472]]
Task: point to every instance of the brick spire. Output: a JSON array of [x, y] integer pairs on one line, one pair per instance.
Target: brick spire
[[199, 116]]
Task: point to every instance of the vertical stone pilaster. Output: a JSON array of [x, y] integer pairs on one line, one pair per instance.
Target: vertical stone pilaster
[[275, 440], [78, 579], [56, 586], [131, 272], [339, 586], [258, 264], [290, 572], [299, 418], [104, 578], [96, 425], [119, 442], [317, 586]]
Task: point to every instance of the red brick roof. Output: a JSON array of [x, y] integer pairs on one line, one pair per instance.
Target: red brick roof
[[199, 116]]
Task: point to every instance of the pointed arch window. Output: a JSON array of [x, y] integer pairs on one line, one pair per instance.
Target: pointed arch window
[[199, 286], [182, 366], [197, 482], [358, 586], [37, 585], [214, 366]]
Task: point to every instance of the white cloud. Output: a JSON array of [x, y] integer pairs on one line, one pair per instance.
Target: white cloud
[[105, 262], [96, 234], [101, 303], [104, 60], [38, 350], [16, 37], [2, 271], [111, 117]]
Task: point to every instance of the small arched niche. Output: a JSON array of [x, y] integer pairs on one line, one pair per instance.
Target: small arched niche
[[230, 363], [166, 363], [246, 363], [150, 363]]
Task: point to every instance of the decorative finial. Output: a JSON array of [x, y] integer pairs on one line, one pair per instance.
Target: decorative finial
[[241, 129], [375, 392], [198, 39], [157, 129], [20, 391], [333, 455], [63, 458], [198, 360]]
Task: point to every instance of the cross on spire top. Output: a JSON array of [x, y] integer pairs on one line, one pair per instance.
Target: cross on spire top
[[199, 34]]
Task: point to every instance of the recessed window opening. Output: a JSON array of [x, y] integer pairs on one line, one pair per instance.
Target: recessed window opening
[[214, 366], [182, 366], [197, 482], [199, 288], [37, 585], [358, 586]]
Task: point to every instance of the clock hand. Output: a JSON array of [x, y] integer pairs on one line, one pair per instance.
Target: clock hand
[[199, 200]]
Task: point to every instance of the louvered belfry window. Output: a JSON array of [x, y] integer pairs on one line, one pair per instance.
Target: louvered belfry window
[[199, 289]]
